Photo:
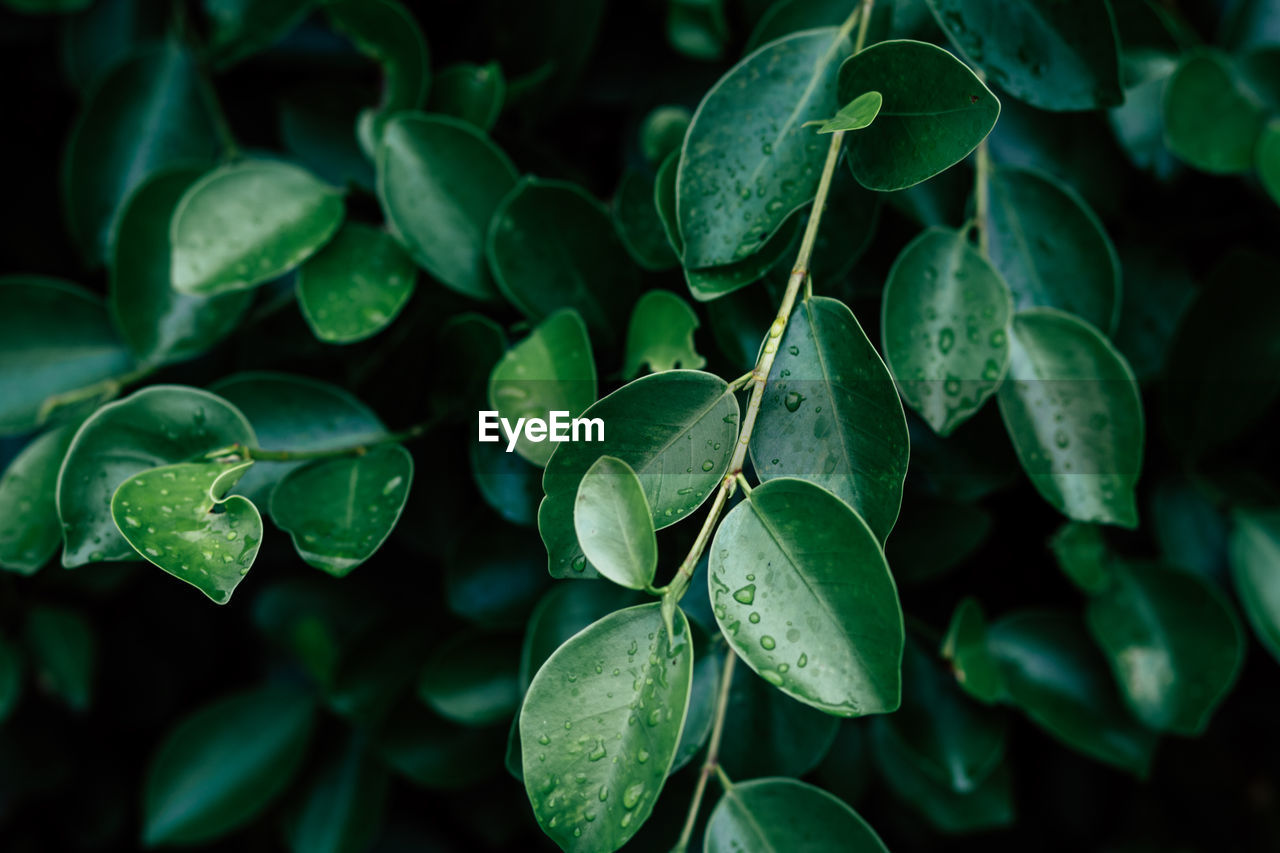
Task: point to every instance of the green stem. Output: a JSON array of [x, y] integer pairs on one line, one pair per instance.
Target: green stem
[[982, 197], [712, 763], [103, 389]]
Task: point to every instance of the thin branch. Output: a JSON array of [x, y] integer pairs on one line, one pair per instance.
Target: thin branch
[[712, 763]]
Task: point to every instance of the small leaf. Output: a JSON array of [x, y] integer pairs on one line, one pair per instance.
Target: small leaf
[[1211, 119], [249, 222], [223, 765], [615, 528], [159, 425], [662, 132], [473, 93], [803, 594], [167, 515], [661, 335], [1082, 555], [340, 511], [617, 690], [472, 679], [342, 808], [786, 814], [636, 219], [935, 112], [965, 646], [355, 286], [31, 531], [945, 327], [1072, 410], [748, 162], [62, 651], [856, 114], [697, 28], [1255, 553]]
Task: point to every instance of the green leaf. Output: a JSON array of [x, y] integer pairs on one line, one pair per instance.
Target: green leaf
[[342, 807], [62, 651], [785, 814], [615, 528], [440, 180], [564, 611], [1052, 55], [1255, 553], [10, 678], [965, 646], [803, 594], [240, 28], [831, 414], [1268, 159], [935, 112], [160, 323], [340, 511], [1173, 642], [473, 93], [636, 219], [1082, 555], [295, 413], [472, 679], [167, 515], [159, 425], [1072, 410], [1158, 289], [355, 286], [676, 429], [1190, 528], [249, 222], [600, 726], [790, 16], [511, 486], [697, 28], [145, 114], [767, 733], [104, 34], [1138, 123], [945, 326], [1051, 249], [551, 245], [54, 338], [31, 531], [223, 765], [1052, 672], [748, 161], [494, 581], [552, 370], [856, 114], [1211, 119], [661, 335], [662, 132]]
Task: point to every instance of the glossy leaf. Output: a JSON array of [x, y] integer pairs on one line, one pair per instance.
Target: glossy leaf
[[439, 182], [1051, 249], [1211, 120], [945, 323], [831, 414], [661, 335], [676, 429], [159, 425], [636, 219], [551, 245], [856, 114], [786, 814], [63, 653], [249, 222], [615, 527], [564, 611], [342, 809], [768, 733], [600, 726], [168, 515], [30, 531], [748, 161], [1052, 55], [1255, 553], [225, 763], [162, 324], [473, 93], [935, 112], [472, 679], [54, 338], [339, 511], [1072, 410], [355, 286], [1173, 642], [965, 646], [241, 28], [147, 113], [802, 592]]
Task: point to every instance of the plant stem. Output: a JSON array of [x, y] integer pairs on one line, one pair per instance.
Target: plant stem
[[982, 196], [865, 11], [258, 454], [103, 389], [712, 763]]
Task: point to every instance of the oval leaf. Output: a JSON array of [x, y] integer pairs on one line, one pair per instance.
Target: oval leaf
[[785, 814], [615, 528], [356, 285], [30, 532], [1211, 119], [1255, 553]]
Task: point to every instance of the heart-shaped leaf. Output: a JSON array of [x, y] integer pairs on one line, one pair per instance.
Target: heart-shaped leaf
[[661, 335], [1255, 553], [786, 814], [615, 527], [30, 531], [856, 114], [177, 517], [355, 286]]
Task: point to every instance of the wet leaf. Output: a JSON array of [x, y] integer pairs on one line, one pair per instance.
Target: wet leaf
[[785, 814], [614, 525], [661, 335], [356, 285]]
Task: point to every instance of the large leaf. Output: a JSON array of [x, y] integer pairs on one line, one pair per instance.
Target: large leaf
[[935, 112], [661, 335], [676, 429], [802, 592], [1173, 642], [249, 222], [945, 327], [54, 338], [785, 814], [831, 414], [614, 525], [439, 182], [30, 532], [160, 323], [1255, 554], [1056, 56], [600, 726], [748, 161], [1211, 118], [1072, 410], [552, 370], [355, 286], [145, 114], [1051, 249], [225, 763], [159, 425]]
